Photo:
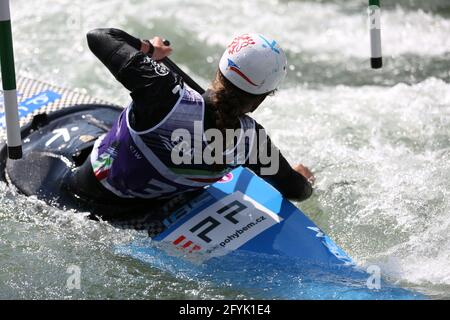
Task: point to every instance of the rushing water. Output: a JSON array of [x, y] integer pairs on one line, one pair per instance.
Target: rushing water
[[378, 141]]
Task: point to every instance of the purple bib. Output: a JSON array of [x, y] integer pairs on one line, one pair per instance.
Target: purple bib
[[134, 164]]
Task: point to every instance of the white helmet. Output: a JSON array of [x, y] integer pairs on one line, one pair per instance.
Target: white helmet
[[254, 63]]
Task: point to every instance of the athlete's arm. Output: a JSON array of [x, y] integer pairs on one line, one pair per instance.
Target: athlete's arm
[[151, 85], [291, 182]]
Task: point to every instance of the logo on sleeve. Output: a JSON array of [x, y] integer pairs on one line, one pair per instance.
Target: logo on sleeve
[[159, 68]]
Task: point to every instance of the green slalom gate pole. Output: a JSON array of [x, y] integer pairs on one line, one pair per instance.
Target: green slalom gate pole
[[376, 60], [14, 140]]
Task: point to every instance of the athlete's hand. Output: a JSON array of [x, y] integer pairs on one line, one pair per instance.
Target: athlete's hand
[[304, 171], [161, 50]]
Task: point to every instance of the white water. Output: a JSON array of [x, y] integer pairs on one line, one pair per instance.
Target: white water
[[378, 141]]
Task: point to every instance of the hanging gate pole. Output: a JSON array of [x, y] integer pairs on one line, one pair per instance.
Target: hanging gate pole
[[376, 60], [14, 140]]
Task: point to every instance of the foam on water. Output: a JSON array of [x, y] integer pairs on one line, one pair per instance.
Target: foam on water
[[381, 158], [326, 42], [39, 244], [378, 141]]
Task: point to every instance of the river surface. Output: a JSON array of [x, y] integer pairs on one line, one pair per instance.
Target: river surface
[[378, 141]]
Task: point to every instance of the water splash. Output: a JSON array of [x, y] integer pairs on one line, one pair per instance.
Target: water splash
[[378, 141]]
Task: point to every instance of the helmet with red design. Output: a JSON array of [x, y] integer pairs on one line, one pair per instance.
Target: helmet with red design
[[254, 63]]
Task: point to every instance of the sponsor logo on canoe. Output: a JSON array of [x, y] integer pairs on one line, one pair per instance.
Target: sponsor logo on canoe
[[31, 104], [185, 244], [182, 211], [226, 178], [331, 246], [224, 226]]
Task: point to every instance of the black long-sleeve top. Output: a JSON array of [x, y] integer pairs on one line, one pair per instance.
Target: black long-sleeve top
[[151, 92]]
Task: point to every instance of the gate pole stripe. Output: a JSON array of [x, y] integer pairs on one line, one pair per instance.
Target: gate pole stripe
[[375, 33], [14, 140], [4, 11]]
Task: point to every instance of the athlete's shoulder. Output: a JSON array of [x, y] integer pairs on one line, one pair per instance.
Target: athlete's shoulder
[[250, 122], [189, 93]]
